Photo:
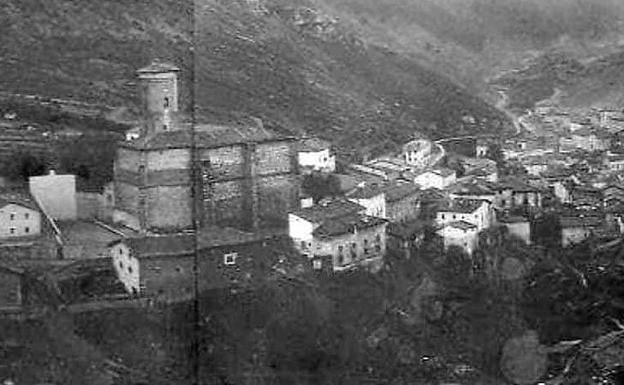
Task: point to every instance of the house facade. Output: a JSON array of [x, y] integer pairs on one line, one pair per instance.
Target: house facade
[[576, 229], [476, 212], [438, 179], [163, 266], [517, 226], [351, 242], [315, 154], [417, 152], [461, 234], [372, 197], [403, 201]]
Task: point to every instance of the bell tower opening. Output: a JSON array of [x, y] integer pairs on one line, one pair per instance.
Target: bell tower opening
[[159, 94]]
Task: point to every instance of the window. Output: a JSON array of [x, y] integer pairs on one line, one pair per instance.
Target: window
[[120, 265], [442, 216], [230, 258], [130, 269], [340, 250], [454, 216], [354, 246], [12, 230], [141, 169], [12, 216], [178, 269], [378, 238], [165, 127], [120, 251], [340, 260], [27, 230], [26, 216], [166, 104]]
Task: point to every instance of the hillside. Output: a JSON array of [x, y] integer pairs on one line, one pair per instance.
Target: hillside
[[474, 41], [289, 62]]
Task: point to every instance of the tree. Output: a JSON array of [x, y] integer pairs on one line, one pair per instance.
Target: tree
[[27, 165]]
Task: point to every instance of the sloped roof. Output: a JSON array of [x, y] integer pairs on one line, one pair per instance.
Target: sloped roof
[[397, 190], [462, 225], [578, 221], [464, 206], [313, 144], [366, 192], [333, 209], [157, 66], [18, 197], [206, 136], [184, 244], [347, 224]]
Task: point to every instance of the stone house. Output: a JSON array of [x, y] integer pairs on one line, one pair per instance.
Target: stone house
[[163, 265], [518, 226], [614, 162], [372, 197], [349, 242], [576, 229], [302, 223], [405, 236], [314, 154], [24, 231], [462, 234], [402, 201], [473, 211], [514, 193]]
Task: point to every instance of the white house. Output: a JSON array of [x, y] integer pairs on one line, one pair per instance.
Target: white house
[[438, 178], [314, 154], [371, 197], [417, 152], [473, 211], [461, 234], [302, 223], [18, 217]]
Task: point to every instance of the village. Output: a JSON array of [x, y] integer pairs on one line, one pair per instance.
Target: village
[[265, 203]]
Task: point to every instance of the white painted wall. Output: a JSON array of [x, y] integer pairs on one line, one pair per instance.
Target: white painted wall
[[19, 221], [57, 194]]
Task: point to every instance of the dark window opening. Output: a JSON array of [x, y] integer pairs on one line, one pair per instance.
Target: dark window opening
[[166, 104], [27, 230]]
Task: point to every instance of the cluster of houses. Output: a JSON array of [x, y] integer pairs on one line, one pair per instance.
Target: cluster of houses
[[143, 220]]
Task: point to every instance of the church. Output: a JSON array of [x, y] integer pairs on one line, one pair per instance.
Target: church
[[246, 175]]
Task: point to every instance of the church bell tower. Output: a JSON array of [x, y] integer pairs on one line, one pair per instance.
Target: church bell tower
[[159, 96]]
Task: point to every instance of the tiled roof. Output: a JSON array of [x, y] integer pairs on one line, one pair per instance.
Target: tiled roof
[[18, 197], [184, 244], [313, 144], [366, 192], [397, 190], [334, 209], [206, 136], [512, 219], [516, 185], [157, 66], [462, 225], [464, 206], [347, 224], [472, 187], [578, 221]]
